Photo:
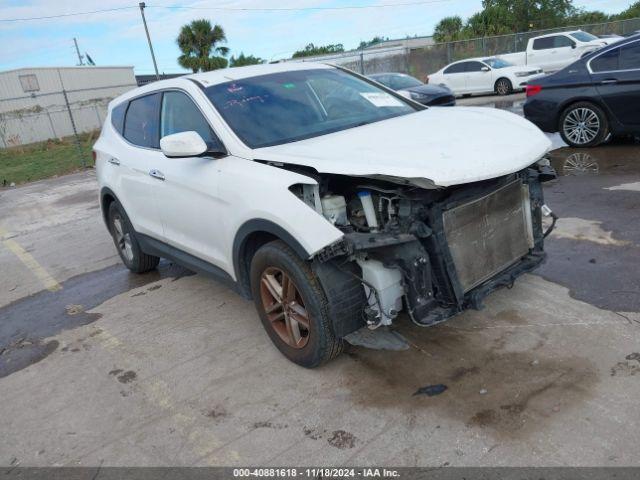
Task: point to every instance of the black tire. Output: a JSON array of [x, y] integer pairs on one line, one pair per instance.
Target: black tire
[[569, 129], [129, 250], [319, 342], [503, 86]]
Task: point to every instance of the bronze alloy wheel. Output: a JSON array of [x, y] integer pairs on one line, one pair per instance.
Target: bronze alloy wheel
[[284, 307]]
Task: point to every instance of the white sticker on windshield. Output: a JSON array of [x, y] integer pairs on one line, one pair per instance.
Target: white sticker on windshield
[[382, 99]]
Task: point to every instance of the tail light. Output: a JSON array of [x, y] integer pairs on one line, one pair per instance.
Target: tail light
[[93, 152], [533, 90]]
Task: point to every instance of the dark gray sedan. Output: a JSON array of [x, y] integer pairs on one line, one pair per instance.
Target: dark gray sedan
[[411, 87]]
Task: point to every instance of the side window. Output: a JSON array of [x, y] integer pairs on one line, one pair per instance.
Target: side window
[[455, 68], [180, 114], [117, 116], [141, 121], [561, 41], [474, 67], [606, 62], [544, 43], [630, 57]]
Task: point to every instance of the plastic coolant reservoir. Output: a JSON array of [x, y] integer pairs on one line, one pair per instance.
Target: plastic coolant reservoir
[[334, 208]]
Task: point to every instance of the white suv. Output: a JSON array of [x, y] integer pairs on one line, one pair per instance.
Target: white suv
[[331, 201]]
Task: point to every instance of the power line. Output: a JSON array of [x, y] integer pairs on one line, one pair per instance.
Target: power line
[[72, 14], [230, 9], [297, 9]]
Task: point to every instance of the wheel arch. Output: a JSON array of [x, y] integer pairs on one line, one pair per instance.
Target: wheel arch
[[107, 197], [573, 100], [502, 77], [252, 235]]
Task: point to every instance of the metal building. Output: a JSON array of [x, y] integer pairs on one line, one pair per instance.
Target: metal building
[[37, 104]]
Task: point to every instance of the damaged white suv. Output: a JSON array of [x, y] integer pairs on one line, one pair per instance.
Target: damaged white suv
[[329, 200]]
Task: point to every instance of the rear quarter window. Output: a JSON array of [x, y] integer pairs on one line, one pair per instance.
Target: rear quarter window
[[117, 116]]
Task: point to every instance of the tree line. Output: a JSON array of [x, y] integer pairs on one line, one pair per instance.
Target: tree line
[[202, 44], [500, 17]]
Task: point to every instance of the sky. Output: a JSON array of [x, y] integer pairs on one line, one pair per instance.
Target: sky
[[117, 37]]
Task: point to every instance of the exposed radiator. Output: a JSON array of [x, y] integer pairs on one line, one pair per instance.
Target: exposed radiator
[[489, 234]]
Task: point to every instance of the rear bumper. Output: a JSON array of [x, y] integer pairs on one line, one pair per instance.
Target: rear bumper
[[541, 113]]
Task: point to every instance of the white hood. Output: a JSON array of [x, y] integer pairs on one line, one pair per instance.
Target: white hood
[[435, 147]]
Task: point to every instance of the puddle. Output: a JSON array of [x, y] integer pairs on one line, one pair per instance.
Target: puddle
[[618, 158], [28, 320], [596, 250], [492, 383]]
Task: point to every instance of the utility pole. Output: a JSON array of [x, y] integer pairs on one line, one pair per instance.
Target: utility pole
[[75, 42], [153, 57]]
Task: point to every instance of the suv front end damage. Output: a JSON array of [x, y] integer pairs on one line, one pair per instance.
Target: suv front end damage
[[430, 252]]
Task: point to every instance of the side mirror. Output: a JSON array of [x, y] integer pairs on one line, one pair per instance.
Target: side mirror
[[573, 45], [183, 144], [485, 69]]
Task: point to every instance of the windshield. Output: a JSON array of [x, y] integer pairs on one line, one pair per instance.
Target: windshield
[[398, 82], [289, 106], [583, 36], [497, 63]]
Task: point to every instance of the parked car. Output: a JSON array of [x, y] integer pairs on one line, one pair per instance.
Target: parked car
[[595, 97], [411, 87], [484, 75], [554, 51], [331, 202]]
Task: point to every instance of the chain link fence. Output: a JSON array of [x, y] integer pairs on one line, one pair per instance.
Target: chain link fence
[[422, 61], [45, 134]]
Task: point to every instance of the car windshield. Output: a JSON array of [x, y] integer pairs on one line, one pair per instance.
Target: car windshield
[[400, 82], [583, 36], [497, 63], [285, 107]]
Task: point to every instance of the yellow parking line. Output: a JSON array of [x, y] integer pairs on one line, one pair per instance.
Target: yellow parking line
[[31, 263]]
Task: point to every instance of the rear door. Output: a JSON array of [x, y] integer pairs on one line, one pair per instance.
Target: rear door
[[132, 158], [616, 74], [454, 76], [543, 53]]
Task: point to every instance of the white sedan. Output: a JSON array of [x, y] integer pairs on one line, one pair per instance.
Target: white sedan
[[486, 75]]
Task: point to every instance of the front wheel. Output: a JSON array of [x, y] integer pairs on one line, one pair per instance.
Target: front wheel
[[292, 306], [583, 124], [503, 86]]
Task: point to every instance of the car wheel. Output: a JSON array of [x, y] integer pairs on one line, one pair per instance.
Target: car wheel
[[124, 237], [583, 124], [503, 86], [292, 306]]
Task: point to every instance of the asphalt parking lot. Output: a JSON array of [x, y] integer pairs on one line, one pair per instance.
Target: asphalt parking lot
[[102, 367]]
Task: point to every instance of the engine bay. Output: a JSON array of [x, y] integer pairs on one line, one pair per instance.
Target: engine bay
[[429, 252]]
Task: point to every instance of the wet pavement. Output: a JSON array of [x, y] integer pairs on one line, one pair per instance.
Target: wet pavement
[[109, 368]]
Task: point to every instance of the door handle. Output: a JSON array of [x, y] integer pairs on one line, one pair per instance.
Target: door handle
[[114, 161], [608, 81], [156, 174]]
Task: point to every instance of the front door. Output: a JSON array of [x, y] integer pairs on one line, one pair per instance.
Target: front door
[[186, 189], [478, 80]]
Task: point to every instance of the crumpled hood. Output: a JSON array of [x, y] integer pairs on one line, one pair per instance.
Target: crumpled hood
[[433, 147]]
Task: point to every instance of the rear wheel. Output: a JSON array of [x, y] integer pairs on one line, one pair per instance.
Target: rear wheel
[[583, 124], [292, 306], [503, 86], [124, 238]]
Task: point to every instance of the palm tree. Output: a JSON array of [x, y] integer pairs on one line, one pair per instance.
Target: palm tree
[[199, 44]]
